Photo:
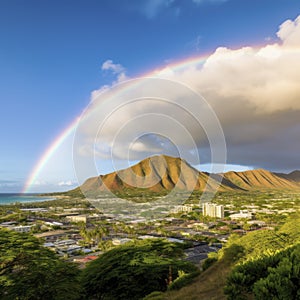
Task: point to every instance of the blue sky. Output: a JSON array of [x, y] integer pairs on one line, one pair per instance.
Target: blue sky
[[52, 51]]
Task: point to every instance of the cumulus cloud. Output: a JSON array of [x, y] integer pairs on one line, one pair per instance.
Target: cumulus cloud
[[254, 92], [289, 32], [116, 69], [256, 95]]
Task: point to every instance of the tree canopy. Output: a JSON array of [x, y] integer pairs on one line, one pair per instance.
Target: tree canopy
[[134, 270], [269, 277], [30, 271], [268, 263]]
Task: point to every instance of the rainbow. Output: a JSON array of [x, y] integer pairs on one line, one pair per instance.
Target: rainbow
[[54, 146], [157, 72], [48, 154], [178, 65]]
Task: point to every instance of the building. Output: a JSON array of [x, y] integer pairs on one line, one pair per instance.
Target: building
[[22, 228], [213, 210], [82, 218], [243, 214], [181, 208], [68, 249], [77, 218]]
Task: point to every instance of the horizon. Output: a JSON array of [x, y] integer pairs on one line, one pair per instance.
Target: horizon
[[246, 75]]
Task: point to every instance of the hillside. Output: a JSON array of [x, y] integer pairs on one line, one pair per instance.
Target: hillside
[[158, 174], [293, 176], [248, 253], [260, 179]]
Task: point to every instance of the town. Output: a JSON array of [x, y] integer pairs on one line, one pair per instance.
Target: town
[[79, 232]]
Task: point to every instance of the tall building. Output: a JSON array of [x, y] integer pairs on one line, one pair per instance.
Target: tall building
[[213, 210]]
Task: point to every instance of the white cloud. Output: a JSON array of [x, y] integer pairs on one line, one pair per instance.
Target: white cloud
[[116, 69], [66, 183], [289, 32], [255, 93]]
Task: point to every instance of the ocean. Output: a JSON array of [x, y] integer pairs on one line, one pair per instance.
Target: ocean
[[22, 198]]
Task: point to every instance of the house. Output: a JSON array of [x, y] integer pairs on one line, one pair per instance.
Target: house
[[21, 228], [8, 224], [64, 243]]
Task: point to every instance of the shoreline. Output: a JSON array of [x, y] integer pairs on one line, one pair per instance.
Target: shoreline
[[16, 198]]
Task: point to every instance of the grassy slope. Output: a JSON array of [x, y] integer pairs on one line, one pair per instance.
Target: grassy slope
[[207, 286]]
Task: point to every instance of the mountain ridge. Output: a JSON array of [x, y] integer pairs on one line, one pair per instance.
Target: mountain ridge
[[163, 173], [294, 175]]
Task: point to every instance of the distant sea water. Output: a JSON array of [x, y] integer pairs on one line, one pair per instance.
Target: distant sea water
[[22, 198]]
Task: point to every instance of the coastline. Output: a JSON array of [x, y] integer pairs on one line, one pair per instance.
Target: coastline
[[19, 198]]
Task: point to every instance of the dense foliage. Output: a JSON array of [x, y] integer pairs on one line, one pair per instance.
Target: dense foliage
[[269, 277], [134, 270], [29, 271], [268, 263]]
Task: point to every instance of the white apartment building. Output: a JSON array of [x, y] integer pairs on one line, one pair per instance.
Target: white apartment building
[[213, 210]]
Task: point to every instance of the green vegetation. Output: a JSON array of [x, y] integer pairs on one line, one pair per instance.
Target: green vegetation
[[30, 271], [75, 193], [268, 263], [268, 277], [134, 270], [263, 264], [264, 260]]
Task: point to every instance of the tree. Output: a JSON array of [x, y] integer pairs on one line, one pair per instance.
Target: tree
[[30, 271], [283, 281], [134, 270], [274, 276]]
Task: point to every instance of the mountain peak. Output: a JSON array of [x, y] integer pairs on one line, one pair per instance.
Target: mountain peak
[[160, 173]]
